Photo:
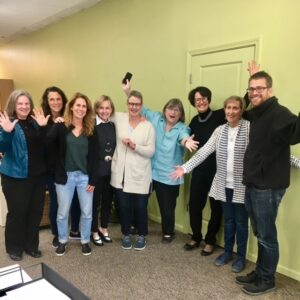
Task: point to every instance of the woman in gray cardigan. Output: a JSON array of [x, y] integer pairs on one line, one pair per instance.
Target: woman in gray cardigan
[[229, 141]]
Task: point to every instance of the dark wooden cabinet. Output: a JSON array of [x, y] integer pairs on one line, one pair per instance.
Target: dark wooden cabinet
[[6, 87]]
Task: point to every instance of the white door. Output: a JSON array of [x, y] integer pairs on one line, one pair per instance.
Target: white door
[[224, 72]]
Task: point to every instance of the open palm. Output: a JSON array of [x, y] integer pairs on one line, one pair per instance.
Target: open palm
[[6, 124]]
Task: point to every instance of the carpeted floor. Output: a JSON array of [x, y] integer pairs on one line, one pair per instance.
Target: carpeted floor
[[159, 272]]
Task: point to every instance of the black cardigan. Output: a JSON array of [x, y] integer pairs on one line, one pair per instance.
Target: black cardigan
[[57, 134]]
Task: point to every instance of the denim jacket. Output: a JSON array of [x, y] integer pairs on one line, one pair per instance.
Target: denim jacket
[[15, 160]]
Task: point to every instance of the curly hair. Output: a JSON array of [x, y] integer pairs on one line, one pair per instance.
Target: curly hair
[[202, 90], [45, 103]]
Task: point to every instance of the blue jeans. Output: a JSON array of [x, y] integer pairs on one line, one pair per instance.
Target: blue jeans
[[262, 206], [235, 224], [65, 194], [75, 208], [130, 205]]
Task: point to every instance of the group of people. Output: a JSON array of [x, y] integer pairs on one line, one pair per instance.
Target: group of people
[[252, 174], [62, 147], [84, 155]]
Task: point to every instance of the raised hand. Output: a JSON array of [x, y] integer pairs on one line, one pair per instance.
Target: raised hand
[[253, 67], [126, 87], [39, 117], [6, 124]]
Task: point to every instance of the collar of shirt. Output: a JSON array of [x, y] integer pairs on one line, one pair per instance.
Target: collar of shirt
[[99, 120]]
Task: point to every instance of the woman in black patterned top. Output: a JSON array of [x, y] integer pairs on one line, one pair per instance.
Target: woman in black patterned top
[[105, 143]]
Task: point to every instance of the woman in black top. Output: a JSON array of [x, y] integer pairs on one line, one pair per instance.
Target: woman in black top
[[54, 103], [202, 126], [105, 143]]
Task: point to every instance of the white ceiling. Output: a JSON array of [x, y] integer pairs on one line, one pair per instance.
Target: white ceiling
[[19, 17]]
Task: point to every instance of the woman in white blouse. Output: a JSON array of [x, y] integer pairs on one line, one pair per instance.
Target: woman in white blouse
[[229, 141]]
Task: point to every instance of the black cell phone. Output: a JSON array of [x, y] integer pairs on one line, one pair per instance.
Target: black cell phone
[[127, 76]]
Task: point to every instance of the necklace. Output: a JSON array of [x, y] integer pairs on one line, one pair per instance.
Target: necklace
[[232, 132]]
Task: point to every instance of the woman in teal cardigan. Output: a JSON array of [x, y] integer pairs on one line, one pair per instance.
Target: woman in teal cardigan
[[23, 170]]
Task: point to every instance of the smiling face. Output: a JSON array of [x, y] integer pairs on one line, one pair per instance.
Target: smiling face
[[23, 107], [201, 103], [104, 111], [79, 108], [233, 112], [172, 115], [55, 103], [134, 105], [258, 91]]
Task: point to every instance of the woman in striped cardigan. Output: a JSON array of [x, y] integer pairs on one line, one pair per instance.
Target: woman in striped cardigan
[[229, 141]]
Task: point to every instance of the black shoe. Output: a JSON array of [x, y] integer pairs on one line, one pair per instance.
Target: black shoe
[[74, 235], [105, 238], [167, 239], [55, 242], [15, 257], [191, 246], [34, 254], [97, 242], [249, 278], [259, 287], [86, 250], [61, 249]]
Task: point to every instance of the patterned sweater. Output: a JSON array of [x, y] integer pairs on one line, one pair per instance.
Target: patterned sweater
[[218, 142]]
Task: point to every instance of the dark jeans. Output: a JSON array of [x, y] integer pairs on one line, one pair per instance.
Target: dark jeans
[[262, 206], [166, 196], [75, 208], [235, 224], [200, 186], [25, 202], [103, 195], [129, 203]]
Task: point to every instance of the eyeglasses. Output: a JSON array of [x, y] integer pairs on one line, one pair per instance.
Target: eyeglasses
[[201, 99], [173, 109], [258, 89], [131, 104]]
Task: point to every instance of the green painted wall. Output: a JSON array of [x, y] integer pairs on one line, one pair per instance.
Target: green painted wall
[[90, 52]]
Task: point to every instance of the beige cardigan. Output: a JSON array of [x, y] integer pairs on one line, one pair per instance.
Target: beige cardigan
[[131, 169]]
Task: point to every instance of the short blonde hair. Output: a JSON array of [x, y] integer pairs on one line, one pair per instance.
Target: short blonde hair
[[102, 99], [235, 98]]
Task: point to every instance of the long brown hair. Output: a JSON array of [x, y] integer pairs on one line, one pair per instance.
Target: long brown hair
[[88, 120]]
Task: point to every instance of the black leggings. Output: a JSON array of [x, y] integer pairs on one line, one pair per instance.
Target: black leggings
[[25, 203], [166, 196], [200, 186], [103, 195]]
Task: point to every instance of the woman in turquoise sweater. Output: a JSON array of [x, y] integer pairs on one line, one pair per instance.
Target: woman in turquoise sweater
[[172, 136]]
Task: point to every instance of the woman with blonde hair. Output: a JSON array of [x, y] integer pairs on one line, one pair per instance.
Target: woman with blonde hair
[[105, 144]]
